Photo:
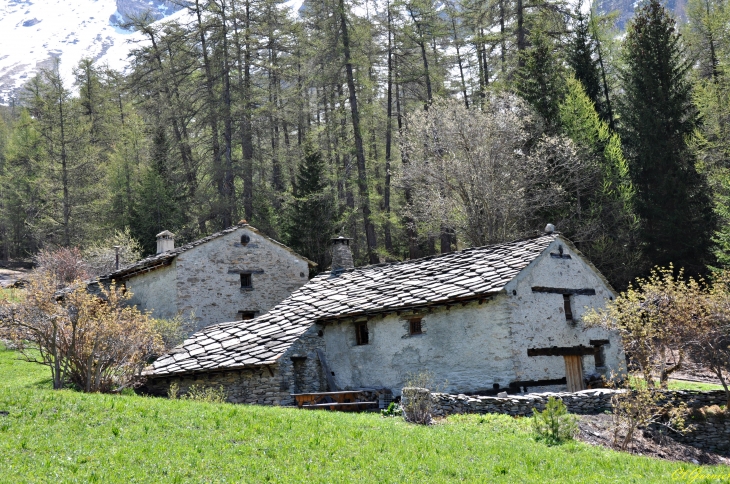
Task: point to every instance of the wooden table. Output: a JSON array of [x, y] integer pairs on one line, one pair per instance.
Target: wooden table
[[344, 401]]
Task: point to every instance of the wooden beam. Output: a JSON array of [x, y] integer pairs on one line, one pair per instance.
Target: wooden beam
[[562, 351], [563, 290], [327, 372], [599, 342]]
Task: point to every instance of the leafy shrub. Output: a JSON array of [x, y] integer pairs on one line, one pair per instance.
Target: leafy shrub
[[554, 425], [393, 410]]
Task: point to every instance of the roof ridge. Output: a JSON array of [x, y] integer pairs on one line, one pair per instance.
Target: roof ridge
[[438, 256]]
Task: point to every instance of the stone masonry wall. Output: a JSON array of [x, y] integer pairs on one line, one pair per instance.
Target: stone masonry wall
[[261, 385], [711, 434], [209, 277], [583, 402], [298, 371]]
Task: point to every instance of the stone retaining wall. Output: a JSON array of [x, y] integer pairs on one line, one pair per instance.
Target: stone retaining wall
[[583, 402], [712, 433]]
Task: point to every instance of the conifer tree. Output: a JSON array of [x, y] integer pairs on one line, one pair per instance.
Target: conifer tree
[[540, 81], [581, 58], [311, 219], [657, 117]]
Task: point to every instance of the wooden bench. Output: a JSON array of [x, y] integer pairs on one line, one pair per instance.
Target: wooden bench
[[343, 400]]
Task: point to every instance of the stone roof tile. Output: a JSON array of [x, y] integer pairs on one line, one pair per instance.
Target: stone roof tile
[[471, 273]]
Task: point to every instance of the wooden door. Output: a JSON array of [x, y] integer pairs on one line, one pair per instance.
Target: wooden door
[[574, 372]]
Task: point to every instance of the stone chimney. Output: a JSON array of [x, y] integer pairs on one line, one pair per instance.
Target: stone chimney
[[165, 241], [341, 254]]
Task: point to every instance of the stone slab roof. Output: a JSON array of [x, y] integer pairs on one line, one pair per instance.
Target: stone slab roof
[[165, 258], [458, 276]]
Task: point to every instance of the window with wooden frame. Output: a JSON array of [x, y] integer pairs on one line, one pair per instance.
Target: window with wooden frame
[[414, 326], [566, 306], [361, 333], [246, 282]]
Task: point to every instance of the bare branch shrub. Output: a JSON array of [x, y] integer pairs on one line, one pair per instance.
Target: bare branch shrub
[[63, 265], [638, 407], [94, 343]]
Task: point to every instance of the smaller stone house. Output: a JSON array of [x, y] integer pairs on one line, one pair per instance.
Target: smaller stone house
[[235, 274], [504, 317]]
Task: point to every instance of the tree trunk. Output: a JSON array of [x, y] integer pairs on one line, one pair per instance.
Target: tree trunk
[[359, 152]]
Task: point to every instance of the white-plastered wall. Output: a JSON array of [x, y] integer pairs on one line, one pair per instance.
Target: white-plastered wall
[[538, 318], [466, 348]]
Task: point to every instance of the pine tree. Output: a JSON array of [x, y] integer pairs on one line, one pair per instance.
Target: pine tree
[[672, 198], [311, 216]]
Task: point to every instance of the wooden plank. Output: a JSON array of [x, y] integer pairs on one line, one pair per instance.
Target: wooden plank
[[574, 373], [562, 351], [564, 290], [327, 373]]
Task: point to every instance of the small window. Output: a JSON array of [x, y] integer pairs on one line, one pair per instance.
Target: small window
[[566, 305], [245, 239], [415, 326], [245, 315], [600, 357], [246, 282], [361, 333]]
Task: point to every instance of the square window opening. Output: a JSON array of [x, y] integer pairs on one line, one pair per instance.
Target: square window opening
[[566, 306], [246, 282], [245, 315], [415, 326], [361, 334]]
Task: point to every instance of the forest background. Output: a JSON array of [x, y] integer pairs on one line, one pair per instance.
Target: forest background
[[414, 127]]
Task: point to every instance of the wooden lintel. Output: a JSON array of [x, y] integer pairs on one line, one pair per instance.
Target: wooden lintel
[[599, 342], [562, 351], [564, 290]]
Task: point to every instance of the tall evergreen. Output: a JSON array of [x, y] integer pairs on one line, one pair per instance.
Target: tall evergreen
[[540, 80], [312, 216], [582, 59], [657, 116]]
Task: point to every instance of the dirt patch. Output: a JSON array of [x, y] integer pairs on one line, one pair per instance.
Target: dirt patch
[[596, 430]]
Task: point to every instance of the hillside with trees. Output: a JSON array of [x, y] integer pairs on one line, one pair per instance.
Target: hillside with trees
[[414, 127]]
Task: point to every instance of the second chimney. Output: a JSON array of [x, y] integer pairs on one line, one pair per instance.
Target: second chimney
[[341, 255], [165, 241]]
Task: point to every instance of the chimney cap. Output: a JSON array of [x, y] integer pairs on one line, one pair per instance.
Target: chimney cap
[[549, 228], [341, 240], [165, 234]]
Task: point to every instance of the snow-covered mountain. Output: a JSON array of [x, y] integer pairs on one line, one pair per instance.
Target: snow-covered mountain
[[34, 32]]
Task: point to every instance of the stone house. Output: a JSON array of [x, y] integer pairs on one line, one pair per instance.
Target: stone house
[[504, 317], [235, 274]]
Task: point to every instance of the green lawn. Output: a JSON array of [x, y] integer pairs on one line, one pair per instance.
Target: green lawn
[[66, 436], [692, 385]]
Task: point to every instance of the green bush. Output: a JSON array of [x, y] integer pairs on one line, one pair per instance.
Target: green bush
[[554, 425]]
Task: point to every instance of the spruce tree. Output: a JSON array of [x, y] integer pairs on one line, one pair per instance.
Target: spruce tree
[[581, 58], [311, 216], [657, 117]]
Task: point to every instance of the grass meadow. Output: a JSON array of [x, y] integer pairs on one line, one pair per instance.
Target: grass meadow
[[67, 436]]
